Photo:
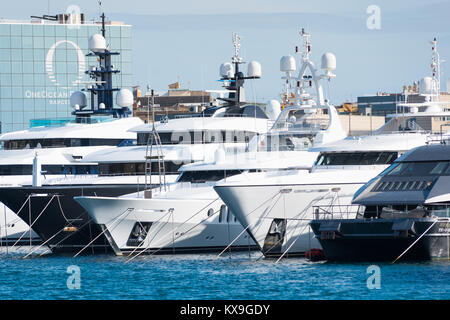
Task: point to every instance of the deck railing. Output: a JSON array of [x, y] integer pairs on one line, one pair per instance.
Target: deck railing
[[351, 211]]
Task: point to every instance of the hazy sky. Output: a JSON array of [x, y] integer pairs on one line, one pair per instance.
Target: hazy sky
[[188, 40]]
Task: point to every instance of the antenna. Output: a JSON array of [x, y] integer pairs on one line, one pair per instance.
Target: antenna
[[237, 45], [235, 80], [306, 44], [435, 68], [102, 15]]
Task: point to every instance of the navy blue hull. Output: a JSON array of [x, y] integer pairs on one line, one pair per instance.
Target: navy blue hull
[[64, 225], [381, 240]]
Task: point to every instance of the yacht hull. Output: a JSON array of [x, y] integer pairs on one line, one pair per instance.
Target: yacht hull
[[166, 225], [278, 216], [14, 231], [61, 223], [381, 240]]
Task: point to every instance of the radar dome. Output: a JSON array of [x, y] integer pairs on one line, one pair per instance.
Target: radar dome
[[254, 69], [287, 64], [426, 86], [273, 109], [328, 62], [78, 98], [226, 70], [124, 98], [97, 43]]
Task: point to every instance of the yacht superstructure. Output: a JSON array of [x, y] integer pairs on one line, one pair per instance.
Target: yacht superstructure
[[191, 207], [402, 214], [55, 148], [161, 148], [276, 210]]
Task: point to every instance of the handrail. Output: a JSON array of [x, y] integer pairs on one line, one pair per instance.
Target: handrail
[[340, 210]]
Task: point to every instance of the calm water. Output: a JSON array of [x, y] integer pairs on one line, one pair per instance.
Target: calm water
[[230, 277]]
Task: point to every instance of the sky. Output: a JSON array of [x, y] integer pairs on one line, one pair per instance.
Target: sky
[[188, 40]]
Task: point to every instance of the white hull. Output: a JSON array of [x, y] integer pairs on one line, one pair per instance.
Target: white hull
[[174, 225], [12, 228], [260, 207]]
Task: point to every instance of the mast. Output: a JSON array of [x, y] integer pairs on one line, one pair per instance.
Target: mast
[[235, 82], [101, 86], [103, 18], [435, 70]]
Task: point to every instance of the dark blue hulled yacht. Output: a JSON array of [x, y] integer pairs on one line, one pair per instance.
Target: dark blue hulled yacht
[[402, 214]]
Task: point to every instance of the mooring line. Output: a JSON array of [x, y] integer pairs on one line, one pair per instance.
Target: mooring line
[[114, 220], [415, 241], [46, 241], [159, 249], [298, 214], [31, 225], [231, 243], [292, 244], [134, 250], [265, 214]]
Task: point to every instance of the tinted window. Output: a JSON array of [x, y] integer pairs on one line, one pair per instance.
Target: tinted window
[[420, 169], [59, 143], [137, 168], [197, 137], [12, 170], [204, 176], [356, 158], [69, 169], [9, 170]]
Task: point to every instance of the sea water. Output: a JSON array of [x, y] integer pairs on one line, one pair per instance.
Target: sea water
[[197, 276]]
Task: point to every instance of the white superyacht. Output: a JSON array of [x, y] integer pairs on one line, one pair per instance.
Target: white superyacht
[[188, 216], [276, 208], [55, 148], [162, 147]]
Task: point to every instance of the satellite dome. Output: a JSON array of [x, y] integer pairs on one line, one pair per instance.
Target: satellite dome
[[97, 43], [78, 98], [273, 109], [328, 61], [226, 70], [426, 86], [102, 106], [287, 64], [254, 69], [124, 98]]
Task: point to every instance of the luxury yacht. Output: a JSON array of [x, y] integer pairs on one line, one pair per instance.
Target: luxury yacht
[[59, 151], [402, 214], [188, 215], [54, 148], [276, 210], [161, 148]]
